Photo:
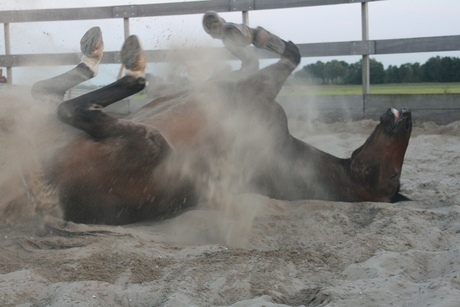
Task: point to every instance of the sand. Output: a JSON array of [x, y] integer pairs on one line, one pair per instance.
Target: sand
[[262, 252]]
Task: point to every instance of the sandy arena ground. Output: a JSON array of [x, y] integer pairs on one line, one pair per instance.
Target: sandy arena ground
[[259, 252]]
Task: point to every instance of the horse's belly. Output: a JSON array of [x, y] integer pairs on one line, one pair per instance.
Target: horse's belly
[[94, 186]]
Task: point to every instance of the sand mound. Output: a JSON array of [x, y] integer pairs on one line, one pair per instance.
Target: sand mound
[[264, 253]]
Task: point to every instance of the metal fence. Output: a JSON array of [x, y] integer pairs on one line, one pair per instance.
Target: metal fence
[[364, 47]]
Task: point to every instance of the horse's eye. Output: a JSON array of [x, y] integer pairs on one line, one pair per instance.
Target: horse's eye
[[393, 176]]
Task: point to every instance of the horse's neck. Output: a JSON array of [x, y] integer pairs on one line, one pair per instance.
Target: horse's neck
[[327, 176]]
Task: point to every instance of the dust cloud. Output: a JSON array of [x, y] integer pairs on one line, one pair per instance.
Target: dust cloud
[[235, 143], [222, 162], [28, 134]]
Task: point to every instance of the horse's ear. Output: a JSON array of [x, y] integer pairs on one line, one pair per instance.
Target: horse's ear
[[399, 197]]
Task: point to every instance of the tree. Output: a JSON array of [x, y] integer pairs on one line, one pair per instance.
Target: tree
[[317, 71], [446, 69], [436, 69], [392, 74], [312, 72], [377, 72], [334, 71], [433, 70], [354, 74], [417, 73], [405, 73], [455, 69]]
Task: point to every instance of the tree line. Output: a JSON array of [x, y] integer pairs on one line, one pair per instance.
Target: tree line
[[435, 69]]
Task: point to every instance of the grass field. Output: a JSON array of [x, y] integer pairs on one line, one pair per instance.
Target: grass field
[[404, 88]]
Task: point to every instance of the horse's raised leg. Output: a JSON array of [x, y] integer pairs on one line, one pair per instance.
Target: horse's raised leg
[[86, 112], [215, 26], [108, 176], [257, 92], [54, 89], [269, 80]]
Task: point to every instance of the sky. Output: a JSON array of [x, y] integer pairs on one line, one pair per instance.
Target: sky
[[388, 19]]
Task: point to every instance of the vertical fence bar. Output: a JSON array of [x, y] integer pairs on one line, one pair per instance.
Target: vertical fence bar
[[246, 18], [365, 59], [126, 27], [9, 70], [126, 30]]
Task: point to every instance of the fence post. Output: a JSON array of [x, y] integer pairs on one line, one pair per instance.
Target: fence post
[[246, 17], [9, 70], [126, 27], [365, 59]]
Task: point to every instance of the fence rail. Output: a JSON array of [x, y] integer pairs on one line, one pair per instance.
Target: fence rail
[[370, 47], [160, 9]]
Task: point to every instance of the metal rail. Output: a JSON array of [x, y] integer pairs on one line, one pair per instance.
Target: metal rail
[[160, 9], [370, 47]]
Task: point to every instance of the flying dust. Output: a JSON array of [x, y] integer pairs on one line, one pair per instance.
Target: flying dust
[[28, 136], [235, 143]]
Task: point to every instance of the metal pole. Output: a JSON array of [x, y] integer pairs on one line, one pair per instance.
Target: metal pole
[[246, 18], [365, 59], [9, 70], [126, 27]]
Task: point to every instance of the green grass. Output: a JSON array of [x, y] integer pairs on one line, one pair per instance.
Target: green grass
[[403, 88]]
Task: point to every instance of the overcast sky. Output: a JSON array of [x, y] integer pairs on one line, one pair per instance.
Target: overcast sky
[[388, 19]]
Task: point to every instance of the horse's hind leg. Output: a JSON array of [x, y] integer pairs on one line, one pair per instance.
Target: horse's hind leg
[[54, 89], [269, 80], [215, 26]]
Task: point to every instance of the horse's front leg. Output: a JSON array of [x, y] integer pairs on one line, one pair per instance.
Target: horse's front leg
[[117, 173], [53, 89], [86, 112]]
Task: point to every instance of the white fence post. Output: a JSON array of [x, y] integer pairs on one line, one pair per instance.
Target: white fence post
[[365, 59], [126, 27], [9, 70], [246, 18]]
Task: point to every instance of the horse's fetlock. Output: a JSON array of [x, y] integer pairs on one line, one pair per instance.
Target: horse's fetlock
[[292, 53]]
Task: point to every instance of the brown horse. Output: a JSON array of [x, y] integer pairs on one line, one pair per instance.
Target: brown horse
[[228, 133]]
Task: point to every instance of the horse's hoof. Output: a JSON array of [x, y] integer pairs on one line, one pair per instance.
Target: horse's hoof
[[213, 24], [91, 44], [239, 34], [132, 54]]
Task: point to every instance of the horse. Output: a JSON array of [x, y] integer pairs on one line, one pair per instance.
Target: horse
[[227, 133]]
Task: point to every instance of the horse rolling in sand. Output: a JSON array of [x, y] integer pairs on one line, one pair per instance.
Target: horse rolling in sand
[[180, 149]]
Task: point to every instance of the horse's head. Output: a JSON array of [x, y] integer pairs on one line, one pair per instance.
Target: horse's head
[[377, 164]]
